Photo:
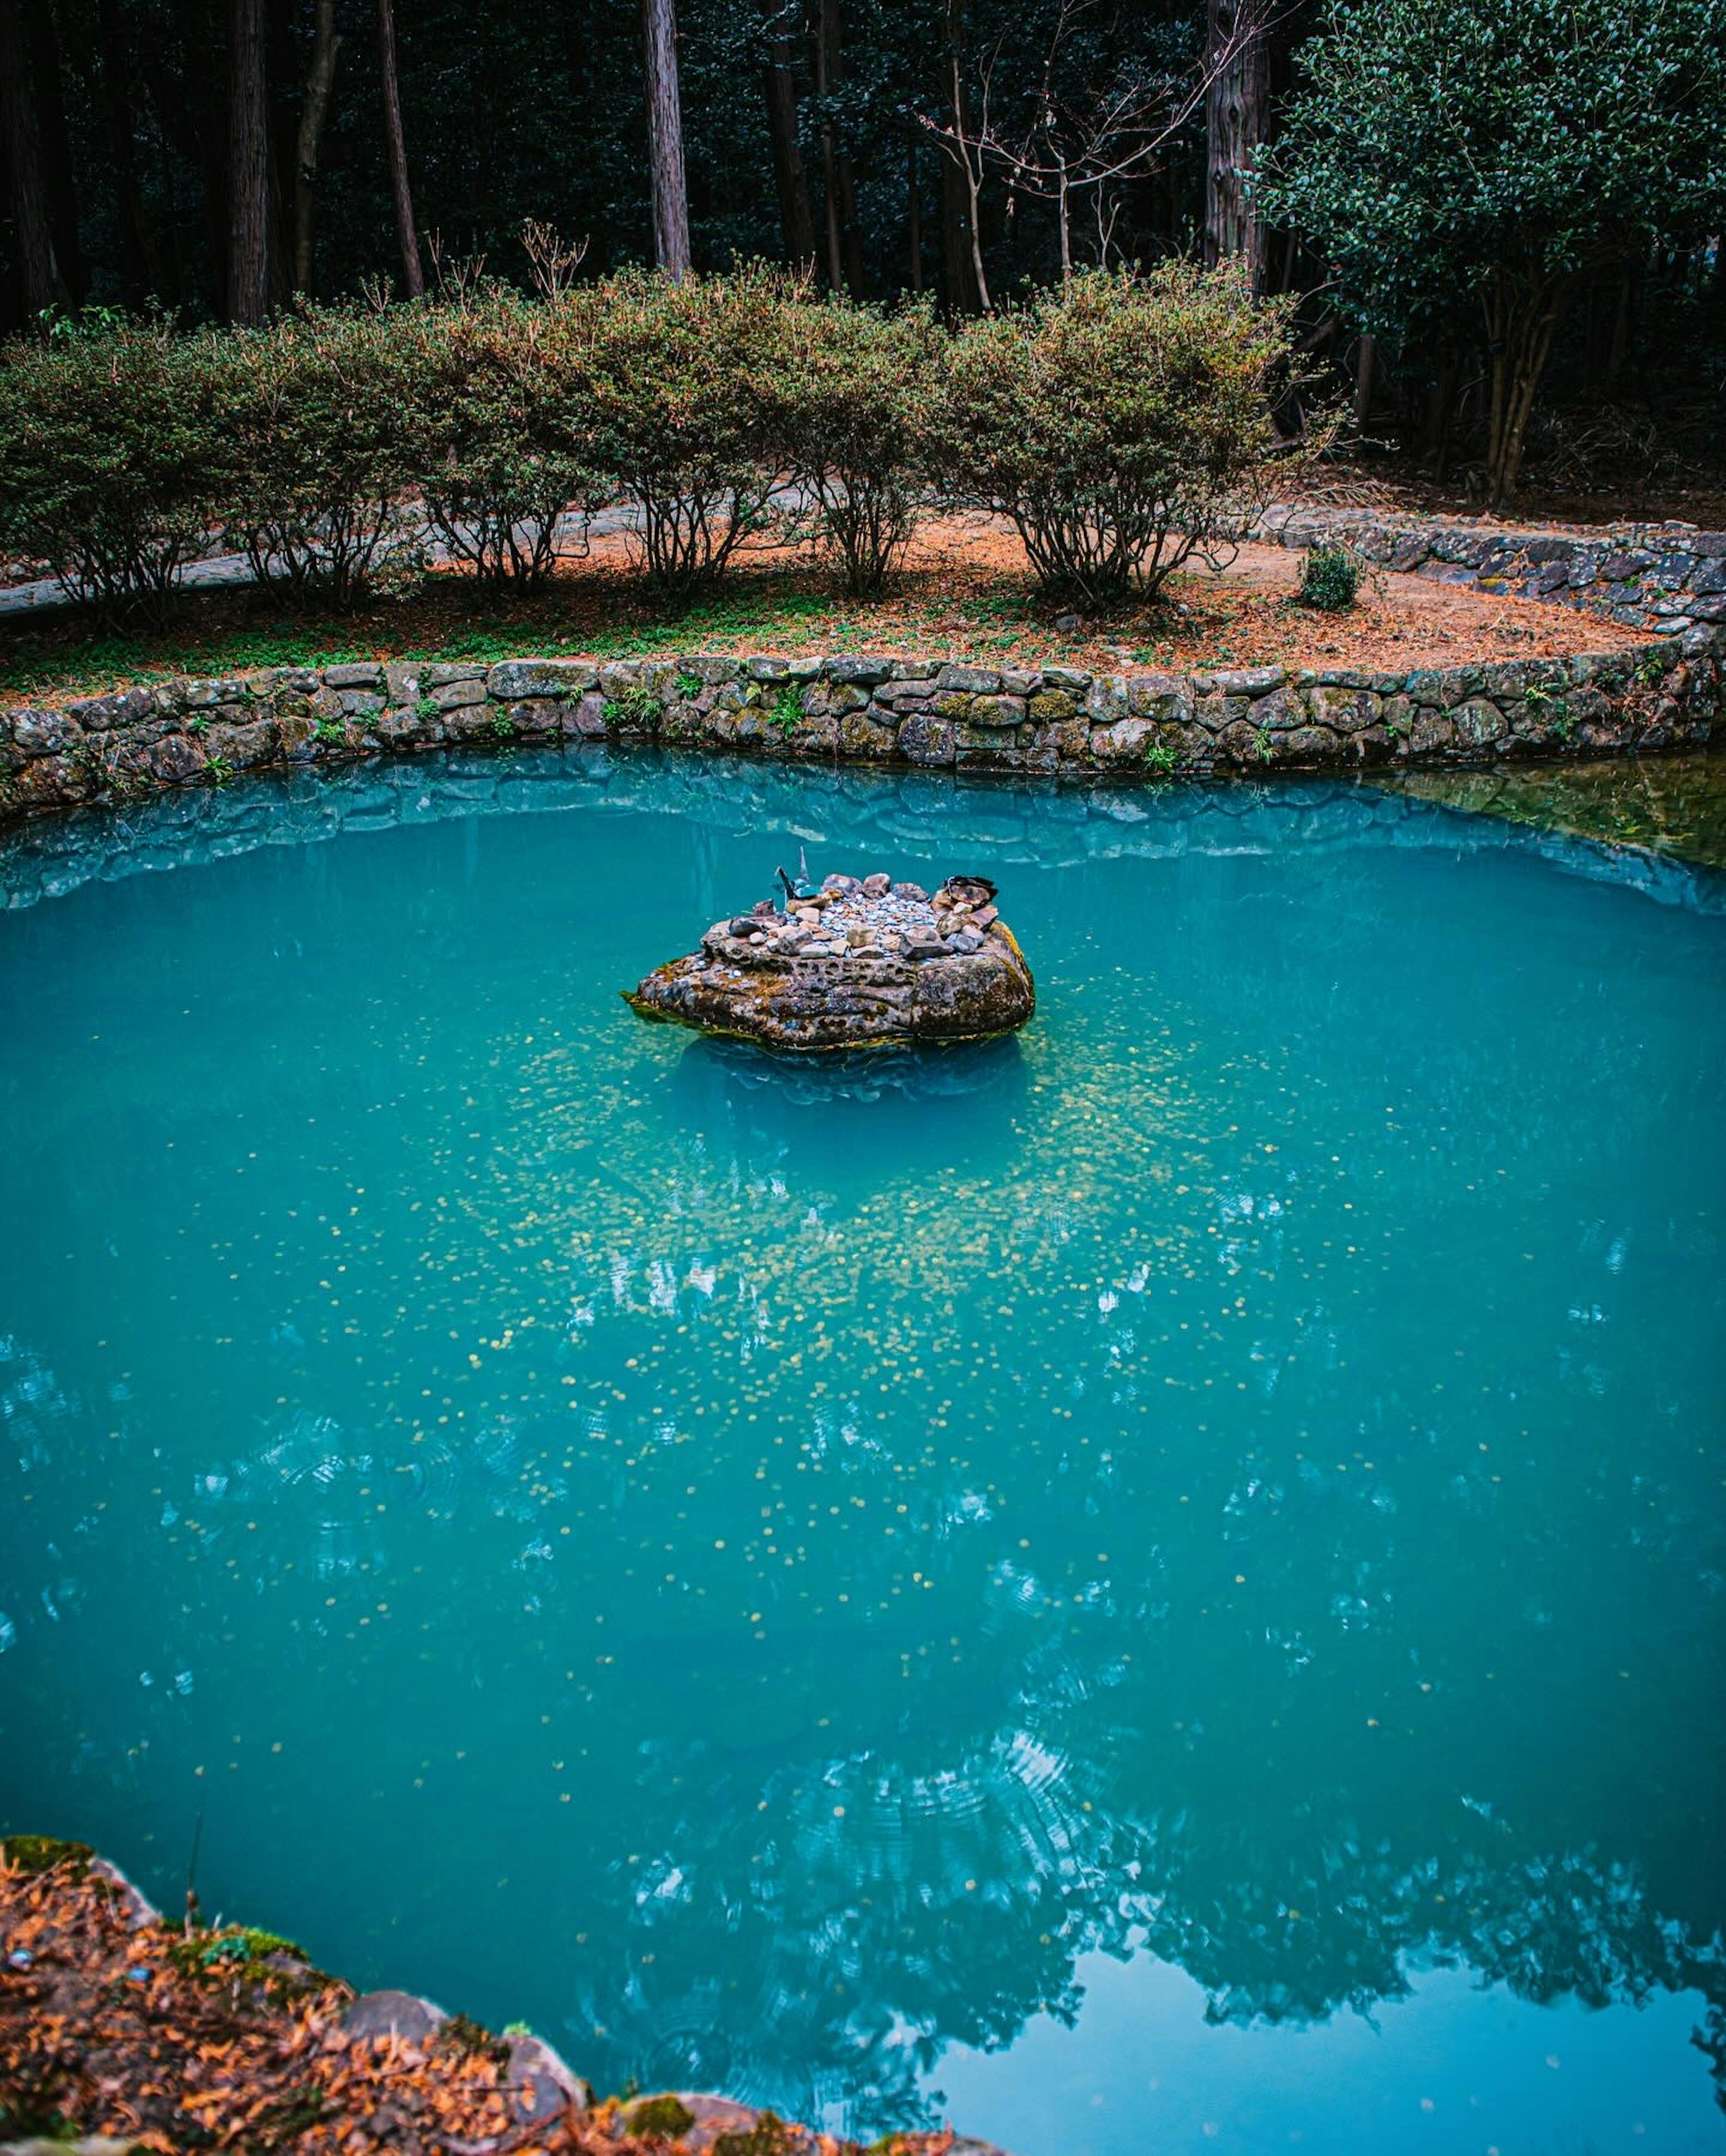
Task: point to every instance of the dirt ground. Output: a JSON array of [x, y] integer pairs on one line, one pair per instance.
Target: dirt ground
[[965, 592], [1248, 614], [965, 585]]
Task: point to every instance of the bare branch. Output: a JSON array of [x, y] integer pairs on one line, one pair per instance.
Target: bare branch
[[1089, 144]]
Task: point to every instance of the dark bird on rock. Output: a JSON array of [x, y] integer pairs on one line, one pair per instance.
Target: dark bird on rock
[[799, 886]]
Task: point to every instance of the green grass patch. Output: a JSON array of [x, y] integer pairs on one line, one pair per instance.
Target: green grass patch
[[33, 1854]]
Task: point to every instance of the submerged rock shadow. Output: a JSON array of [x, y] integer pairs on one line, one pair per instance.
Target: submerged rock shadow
[[917, 1102]]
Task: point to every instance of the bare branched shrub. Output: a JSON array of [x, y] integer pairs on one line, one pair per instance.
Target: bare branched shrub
[[848, 416], [112, 462], [551, 260], [1122, 422], [319, 411]]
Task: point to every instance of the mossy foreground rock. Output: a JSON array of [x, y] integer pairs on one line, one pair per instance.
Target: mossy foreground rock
[[861, 963]]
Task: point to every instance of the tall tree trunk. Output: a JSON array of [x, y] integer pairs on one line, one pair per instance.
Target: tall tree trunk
[[958, 277], [844, 245], [55, 146], [850, 232], [282, 123], [248, 167], [139, 264], [326, 45], [665, 138], [1236, 113], [1366, 361], [829, 161], [964, 287], [796, 217], [412, 277], [913, 217], [31, 237], [970, 176], [1521, 317]]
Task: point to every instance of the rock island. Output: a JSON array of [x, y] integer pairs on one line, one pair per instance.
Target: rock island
[[862, 962]]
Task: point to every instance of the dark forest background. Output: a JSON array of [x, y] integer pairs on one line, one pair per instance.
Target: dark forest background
[[523, 109], [404, 141]]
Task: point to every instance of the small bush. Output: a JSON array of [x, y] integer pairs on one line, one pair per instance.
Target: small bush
[[503, 448], [848, 421], [679, 380], [1330, 579], [1122, 423], [112, 466], [323, 424]]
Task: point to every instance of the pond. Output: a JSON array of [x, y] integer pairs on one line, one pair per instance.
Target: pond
[[1154, 1586]]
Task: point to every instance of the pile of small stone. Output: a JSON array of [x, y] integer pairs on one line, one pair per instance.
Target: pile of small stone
[[863, 917]]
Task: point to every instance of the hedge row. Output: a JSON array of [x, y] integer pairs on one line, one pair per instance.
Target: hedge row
[[1121, 423]]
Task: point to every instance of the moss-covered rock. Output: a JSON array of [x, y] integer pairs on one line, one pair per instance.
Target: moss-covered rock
[[769, 2136], [856, 966], [659, 2117], [34, 1853]]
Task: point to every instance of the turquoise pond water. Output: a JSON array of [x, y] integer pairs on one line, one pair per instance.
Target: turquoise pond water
[[1157, 1586]]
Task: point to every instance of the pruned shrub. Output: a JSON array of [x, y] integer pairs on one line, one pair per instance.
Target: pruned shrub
[[680, 379], [503, 445], [1330, 579], [112, 463], [1122, 423], [322, 423], [849, 420]]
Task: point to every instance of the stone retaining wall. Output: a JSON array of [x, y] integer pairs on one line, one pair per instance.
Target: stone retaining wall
[[1669, 578], [922, 712]]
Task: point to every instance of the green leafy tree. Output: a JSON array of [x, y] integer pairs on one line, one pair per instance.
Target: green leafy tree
[[1445, 154]]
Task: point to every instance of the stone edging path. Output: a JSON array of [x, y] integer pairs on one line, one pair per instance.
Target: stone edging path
[[1670, 578]]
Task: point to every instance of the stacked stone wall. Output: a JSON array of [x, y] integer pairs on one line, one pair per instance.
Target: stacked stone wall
[[876, 710], [1667, 578]]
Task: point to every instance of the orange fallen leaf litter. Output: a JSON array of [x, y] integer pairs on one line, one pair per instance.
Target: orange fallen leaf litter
[[169, 2041], [964, 591]]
